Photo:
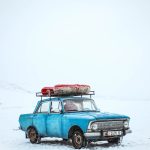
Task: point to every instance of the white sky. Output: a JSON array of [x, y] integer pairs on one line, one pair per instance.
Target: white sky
[[102, 43]]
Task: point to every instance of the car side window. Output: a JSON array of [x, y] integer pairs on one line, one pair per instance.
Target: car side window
[[56, 107], [44, 108]]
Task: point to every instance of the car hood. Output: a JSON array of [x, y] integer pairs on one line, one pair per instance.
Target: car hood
[[96, 115], [106, 115]]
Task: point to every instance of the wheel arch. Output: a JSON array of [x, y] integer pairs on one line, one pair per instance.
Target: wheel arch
[[72, 129], [30, 128]]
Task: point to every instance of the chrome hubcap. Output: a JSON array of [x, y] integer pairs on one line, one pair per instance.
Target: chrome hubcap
[[78, 139], [32, 135]]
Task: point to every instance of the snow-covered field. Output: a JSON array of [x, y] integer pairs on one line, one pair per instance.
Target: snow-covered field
[[15, 100]]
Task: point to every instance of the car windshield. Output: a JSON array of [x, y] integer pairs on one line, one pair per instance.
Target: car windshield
[[73, 105]]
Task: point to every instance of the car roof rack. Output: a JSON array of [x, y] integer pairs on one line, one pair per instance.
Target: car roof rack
[[39, 94]]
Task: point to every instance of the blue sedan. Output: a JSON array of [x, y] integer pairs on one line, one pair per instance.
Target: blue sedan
[[73, 118]]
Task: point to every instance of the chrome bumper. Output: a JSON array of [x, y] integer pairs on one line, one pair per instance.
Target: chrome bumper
[[92, 134], [98, 134], [128, 131]]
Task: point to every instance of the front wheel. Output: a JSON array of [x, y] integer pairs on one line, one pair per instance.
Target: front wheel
[[78, 140]]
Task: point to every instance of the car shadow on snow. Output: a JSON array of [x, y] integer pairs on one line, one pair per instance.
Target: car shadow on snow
[[66, 143]]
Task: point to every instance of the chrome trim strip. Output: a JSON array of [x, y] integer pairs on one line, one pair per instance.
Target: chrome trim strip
[[92, 134]]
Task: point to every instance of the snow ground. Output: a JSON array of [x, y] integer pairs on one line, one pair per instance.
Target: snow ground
[[14, 101]]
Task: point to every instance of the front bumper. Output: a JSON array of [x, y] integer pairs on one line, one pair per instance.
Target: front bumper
[[92, 134], [100, 135], [128, 131]]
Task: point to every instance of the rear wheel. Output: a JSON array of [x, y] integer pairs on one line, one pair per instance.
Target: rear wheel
[[78, 140], [33, 135]]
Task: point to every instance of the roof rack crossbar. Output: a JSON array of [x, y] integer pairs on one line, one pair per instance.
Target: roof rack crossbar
[[39, 94]]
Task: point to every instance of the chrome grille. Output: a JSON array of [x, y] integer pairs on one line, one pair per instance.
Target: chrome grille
[[110, 125]]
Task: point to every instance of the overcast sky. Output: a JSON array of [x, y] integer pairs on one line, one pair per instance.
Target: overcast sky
[[102, 43]]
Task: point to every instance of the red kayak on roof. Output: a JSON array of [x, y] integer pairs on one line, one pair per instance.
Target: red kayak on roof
[[66, 89], [47, 90]]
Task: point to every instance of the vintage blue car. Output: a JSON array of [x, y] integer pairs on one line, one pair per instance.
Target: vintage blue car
[[73, 118]]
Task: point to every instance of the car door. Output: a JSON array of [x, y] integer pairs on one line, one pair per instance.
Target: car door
[[54, 119], [40, 118]]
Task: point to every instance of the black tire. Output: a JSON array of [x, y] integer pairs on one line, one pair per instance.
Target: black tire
[[65, 140], [85, 142], [114, 141], [78, 140], [33, 135]]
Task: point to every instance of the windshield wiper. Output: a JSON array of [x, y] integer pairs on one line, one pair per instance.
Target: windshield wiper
[[71, 110], [83, 111], [88, 111]]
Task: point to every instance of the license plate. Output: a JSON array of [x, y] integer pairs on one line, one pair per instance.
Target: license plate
[[112, 133]]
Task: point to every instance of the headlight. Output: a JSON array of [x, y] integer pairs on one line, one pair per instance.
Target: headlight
[[94, 126], [126, 124]]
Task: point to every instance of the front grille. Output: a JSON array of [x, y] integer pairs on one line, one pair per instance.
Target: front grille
[[110, 125]]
